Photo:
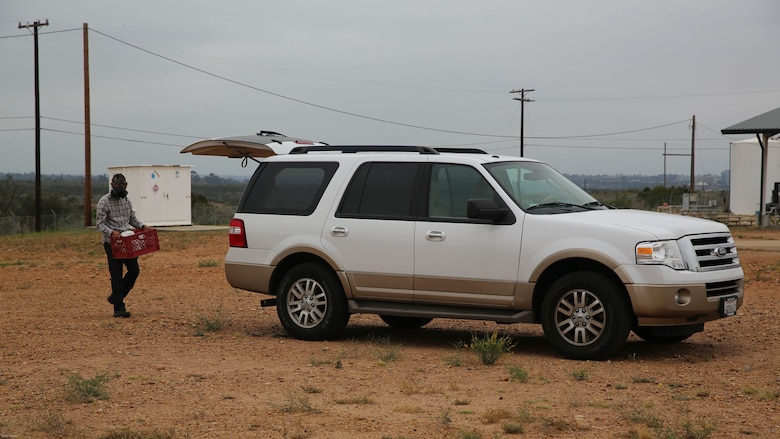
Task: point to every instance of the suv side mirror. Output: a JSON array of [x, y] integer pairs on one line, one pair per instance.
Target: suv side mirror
[[485, 209]]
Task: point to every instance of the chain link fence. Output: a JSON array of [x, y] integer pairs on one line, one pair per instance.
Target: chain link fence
[[13, 224], [212, 214]]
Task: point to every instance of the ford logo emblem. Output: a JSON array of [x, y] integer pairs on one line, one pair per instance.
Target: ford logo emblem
[[719, 251]]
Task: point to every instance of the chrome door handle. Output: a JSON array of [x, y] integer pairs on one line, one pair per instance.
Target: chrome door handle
[[339, 231], [435, 235]]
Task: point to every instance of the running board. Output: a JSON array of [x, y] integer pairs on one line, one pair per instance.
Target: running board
[[440, 311]]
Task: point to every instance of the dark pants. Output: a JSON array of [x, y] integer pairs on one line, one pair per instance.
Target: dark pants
[[120, 285]]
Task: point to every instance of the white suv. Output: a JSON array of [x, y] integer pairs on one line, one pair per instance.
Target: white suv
[[417, 233]]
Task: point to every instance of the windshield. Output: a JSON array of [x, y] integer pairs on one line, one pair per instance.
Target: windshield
[[534, 186]]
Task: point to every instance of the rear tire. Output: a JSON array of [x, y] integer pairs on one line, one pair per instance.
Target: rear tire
[[311, 303], [586, 316], [400, 322]]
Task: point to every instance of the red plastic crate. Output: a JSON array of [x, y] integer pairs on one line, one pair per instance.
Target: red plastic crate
[[141, 243]]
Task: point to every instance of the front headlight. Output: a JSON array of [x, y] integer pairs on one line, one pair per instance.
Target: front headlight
[[660, 253]]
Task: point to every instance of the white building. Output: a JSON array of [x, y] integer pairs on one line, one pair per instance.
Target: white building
[[745, 180], [161, 194]]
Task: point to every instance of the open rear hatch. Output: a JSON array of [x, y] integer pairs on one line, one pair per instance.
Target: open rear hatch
[[260, 145]]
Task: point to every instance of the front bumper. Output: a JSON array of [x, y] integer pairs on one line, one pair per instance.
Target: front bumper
[[666, 305]]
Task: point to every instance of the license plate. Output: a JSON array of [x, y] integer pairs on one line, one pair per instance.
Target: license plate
[[728, 306]]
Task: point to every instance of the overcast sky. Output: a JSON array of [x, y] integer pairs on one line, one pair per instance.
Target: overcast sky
[[614, 80]]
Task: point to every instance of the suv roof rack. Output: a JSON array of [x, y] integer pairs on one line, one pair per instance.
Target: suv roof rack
[[460, 150], [382, 148]]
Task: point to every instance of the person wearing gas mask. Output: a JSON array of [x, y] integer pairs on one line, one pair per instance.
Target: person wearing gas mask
[[115, 215]]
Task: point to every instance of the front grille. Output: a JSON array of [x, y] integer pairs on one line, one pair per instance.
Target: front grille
[[714, 252], [725, 288]]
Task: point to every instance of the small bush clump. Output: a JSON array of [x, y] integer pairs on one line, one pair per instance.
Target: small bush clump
[[81, 389], [489, 348]]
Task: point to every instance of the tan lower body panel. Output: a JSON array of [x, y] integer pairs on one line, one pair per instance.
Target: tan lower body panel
[[395, 288], [488, 294], [448, 291], [380, 286], [255, 278]]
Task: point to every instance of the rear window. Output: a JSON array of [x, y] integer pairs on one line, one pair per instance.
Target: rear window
[[282, 188]]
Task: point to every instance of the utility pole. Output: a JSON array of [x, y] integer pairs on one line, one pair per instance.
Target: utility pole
[[35, 27], [667, 154], [664, 165], [522, 100], [693, 142], [87, 137]]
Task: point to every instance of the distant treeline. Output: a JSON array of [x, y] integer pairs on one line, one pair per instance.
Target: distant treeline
[[64, 194], [103, 178], [704, 183]]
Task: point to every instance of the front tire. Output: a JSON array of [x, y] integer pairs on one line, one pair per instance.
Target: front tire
[[311, 303], [586, 316]]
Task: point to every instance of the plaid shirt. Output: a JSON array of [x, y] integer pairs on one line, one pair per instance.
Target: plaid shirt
[[115, 214]]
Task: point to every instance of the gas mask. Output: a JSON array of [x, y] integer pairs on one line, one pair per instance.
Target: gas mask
[[120, 191], [118, 186]]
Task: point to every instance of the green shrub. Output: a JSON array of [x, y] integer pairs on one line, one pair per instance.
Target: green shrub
[[580, 375], [208, 324], [518, 373], [81, 389], [489, 348]]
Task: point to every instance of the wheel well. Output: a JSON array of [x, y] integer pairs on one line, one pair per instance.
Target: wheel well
[[291, 261], [565, 266]]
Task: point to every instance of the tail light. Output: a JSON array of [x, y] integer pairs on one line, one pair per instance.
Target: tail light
[[236, 233]]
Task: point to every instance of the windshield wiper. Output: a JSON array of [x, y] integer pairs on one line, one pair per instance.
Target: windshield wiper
[[596, 204], [555, 204]]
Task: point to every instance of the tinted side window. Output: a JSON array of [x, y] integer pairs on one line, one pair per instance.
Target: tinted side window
[[287, 188], [452, 186], [381, 190]]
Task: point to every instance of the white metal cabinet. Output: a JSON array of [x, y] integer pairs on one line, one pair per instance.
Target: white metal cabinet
[[161, 194]]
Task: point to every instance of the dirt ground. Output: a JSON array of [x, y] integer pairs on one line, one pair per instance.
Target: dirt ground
[[199, 359]]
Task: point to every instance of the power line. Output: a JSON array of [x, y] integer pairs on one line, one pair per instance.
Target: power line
[[300, 101], [114, 138], [716, 132], [584, 147], [124, 139], [323, 107], [103, 126], [127, 129], [581, 137], [614, 148], [587, 137], [656, 97], [39, 33], [607, 98], [614, 133], [584, 138]]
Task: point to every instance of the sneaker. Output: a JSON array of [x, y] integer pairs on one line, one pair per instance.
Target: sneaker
[[121, 312]]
